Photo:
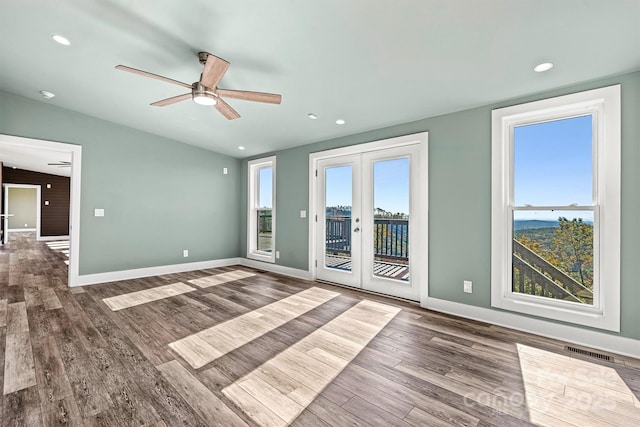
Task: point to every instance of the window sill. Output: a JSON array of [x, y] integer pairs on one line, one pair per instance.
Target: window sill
[[589, 316], [262, 256]]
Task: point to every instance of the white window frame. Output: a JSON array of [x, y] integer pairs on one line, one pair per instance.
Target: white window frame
[[604, 106], [254, 167]]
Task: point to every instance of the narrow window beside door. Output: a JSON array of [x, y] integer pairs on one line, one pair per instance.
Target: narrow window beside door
[[262, 213]]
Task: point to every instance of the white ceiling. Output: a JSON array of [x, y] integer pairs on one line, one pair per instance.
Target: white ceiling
[[372, 63], [34, 159]]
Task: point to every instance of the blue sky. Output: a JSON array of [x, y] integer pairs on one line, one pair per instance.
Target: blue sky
[[265, 179], [391, 185], [338, 186], [553, 166]]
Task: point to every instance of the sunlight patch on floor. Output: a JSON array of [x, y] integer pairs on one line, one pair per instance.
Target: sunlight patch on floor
[[561, 390], [132, 299], [219, 279], [208, 345], [280, 389]]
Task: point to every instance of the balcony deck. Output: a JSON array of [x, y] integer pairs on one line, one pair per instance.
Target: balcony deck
[[380, 268]]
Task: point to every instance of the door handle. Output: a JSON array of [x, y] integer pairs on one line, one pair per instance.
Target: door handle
[[356, 229]]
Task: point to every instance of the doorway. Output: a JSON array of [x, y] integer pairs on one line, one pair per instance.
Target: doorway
[[24, 152], [370, 216], [22, 207]]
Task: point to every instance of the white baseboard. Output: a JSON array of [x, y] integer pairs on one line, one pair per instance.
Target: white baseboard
[[275, 268], [17, 230], [572, 334], [113, 276], [49, 238]]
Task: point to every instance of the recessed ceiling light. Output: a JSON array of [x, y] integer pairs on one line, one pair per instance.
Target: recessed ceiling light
[[61, 39], [340, 122], [241, 148], [545, 66], [312, 116], [46, 94]]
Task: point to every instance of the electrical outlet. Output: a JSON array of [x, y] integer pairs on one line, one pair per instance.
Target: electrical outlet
[[277, 254], [468, 286], [225, 171], [185, 253]]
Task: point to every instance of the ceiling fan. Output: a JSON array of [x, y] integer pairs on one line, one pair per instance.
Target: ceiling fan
[[206, 91], [61, 164]]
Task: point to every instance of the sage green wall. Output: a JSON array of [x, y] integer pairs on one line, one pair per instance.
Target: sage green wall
[[160, 196], [23, 205], [460, 198]]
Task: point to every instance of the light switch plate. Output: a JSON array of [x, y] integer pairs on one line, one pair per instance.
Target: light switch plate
[[225, 171], [46, 203], [468, 286], [303, 214], [98, 212]]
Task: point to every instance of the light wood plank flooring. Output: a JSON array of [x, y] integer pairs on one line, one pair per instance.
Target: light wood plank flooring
[[331, 357]]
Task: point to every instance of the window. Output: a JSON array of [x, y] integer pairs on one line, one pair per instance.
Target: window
[[262, 212], [556, 208]]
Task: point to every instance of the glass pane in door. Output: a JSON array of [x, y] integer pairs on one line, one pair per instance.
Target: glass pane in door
[[338, 203], [391, 218]]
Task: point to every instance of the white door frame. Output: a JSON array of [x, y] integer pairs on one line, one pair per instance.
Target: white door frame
[[419, 270], [38, 189], [15, 142]]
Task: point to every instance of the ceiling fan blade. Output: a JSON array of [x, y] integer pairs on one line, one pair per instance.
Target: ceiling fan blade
[[151, 75], [270, 98], [172, 100], [226, 110], [213, 71]]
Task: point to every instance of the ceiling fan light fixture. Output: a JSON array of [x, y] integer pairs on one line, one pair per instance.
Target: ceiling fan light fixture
[[204, 99], [203, 96]]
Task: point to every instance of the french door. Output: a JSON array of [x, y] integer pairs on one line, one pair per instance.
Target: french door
[[366, 229]]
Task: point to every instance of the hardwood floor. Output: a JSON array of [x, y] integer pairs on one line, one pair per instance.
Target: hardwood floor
[[236, 346]]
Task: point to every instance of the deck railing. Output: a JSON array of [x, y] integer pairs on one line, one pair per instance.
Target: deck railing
[[534, 275], [264, 220], [264, 234], [390, 238]]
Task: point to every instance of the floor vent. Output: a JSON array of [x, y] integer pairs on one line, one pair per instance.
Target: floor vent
[[589, 353]]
